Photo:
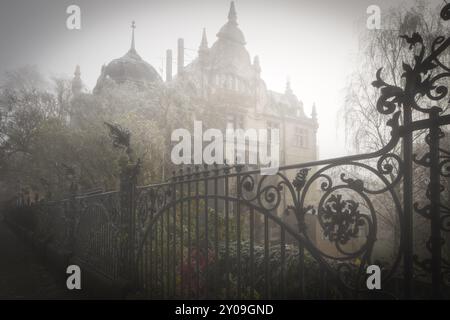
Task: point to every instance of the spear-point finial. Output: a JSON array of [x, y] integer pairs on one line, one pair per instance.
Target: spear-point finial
[[232, 16], [133, 26]]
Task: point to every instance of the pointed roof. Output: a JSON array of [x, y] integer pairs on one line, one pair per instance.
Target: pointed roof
[[232, 16], [256, 64], [288, 90], [77, 84], [230, 30], [314, 111], [204, 42], [77, 72]]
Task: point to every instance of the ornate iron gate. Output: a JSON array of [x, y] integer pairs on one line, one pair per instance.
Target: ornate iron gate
[[310, 231], [228, 232]]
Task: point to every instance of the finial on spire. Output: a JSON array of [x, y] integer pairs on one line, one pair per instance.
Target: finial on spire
[[203, 49], [204, 42], [288, 86], [77, 84], [133, 26], [314, 111], [77, 72], [256, 64], [232, 16]]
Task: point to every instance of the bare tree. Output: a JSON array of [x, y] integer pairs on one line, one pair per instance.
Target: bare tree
[[366, 129]]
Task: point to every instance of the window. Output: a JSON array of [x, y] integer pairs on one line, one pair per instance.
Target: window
[[301, 137], [235, 121], [270, 126]]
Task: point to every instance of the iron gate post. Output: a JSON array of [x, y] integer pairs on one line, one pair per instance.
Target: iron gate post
[[407, 203], [435, 191], [128, 183]]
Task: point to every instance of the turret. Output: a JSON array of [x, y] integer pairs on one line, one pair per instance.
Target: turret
[[77, 84], [314, 112], [288, 91], [203, 48], [257, 66]]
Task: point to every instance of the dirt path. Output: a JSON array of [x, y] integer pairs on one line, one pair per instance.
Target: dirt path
[[22, 274]]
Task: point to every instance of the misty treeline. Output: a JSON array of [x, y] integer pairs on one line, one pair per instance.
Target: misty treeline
[[50, 138], [365, 127]]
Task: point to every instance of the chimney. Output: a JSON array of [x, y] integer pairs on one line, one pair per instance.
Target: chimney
[[169, 65], [180, 61]]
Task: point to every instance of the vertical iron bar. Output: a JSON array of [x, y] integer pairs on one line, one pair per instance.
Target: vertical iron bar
[[167, 211], [143, 266], [206, 234], [227, 238], [407, 203], [156, 260], [174, 252], [283, 262], [181, 237], [189, 271], [266, 256], [162, 258], [436, 276], [238, 234], [252, 240], [216, 236], [197, 238], [301, 264], [150, 262]]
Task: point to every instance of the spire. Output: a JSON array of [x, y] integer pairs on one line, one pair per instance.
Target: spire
[[230, 30], [204, 42], [203, 49], [314, 111], [133, 26], [288, 87], [232, 16], [256, 65], [77, 72], [77, 84]]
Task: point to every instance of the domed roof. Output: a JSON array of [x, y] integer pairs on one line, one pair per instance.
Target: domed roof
[[230, 30], [130, 67], [228, 54]]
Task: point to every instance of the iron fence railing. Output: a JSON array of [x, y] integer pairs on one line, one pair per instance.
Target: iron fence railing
[[310, 231]]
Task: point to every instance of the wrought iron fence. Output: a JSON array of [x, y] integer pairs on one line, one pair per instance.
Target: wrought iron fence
[[308, 232], [97, 233]]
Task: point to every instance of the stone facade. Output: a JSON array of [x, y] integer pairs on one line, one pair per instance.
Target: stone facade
[[225, 75]]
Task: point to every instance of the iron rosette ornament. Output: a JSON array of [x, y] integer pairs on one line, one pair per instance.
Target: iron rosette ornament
[[344, 207], [424, 79], [350, 210], [423, 98]]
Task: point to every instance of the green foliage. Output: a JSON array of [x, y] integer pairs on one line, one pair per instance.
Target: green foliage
[[44, 130]]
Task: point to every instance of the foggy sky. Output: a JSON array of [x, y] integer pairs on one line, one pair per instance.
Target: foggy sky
[[314, 43]]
